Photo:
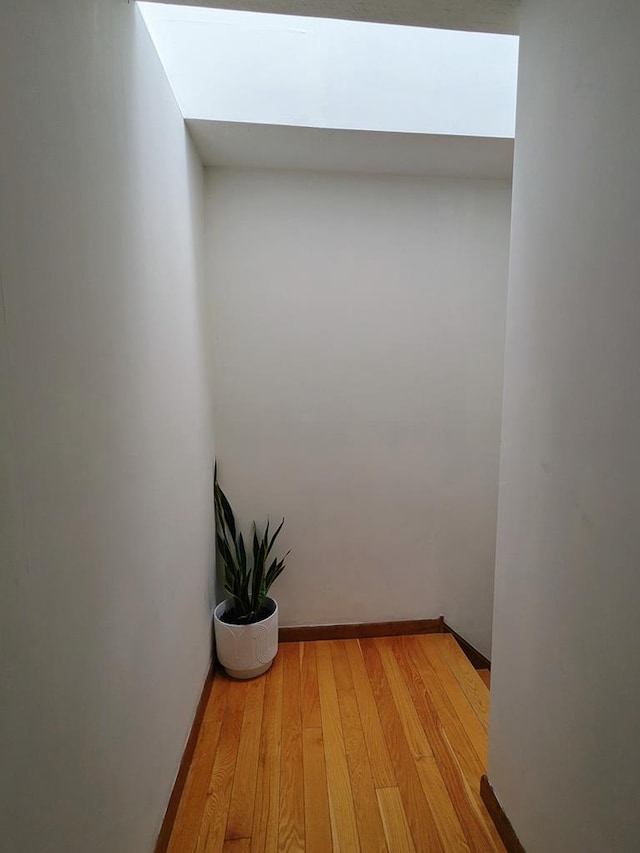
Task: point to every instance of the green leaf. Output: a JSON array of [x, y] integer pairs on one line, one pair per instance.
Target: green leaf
[[255, 543], [227, 512], [273, 538], [242, 554], [258, 576], [225, 551], [275, 570]]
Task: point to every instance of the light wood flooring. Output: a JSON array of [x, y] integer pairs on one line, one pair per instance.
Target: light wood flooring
[[343, 745]]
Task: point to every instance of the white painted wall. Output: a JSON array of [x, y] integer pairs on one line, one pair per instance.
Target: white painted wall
[[238, 145], [319, 72], [105, 458], [358, 329], [564, 750]]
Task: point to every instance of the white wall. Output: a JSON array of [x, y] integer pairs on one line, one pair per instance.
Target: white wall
[[564, 749], [105, 510], [238, 145], [318, 72], [358, 339]]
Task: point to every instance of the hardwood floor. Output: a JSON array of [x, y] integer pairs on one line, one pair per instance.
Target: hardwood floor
[[485, 675], [344, 745]]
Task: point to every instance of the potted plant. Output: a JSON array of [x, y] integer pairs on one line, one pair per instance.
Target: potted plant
[[246, 623]]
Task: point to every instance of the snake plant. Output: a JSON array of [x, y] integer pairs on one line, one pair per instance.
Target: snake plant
[[247, 576]]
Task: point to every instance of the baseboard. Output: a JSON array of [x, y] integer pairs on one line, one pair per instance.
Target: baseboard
[[174, 800], [360, 630], [477, 659], [501, 821]]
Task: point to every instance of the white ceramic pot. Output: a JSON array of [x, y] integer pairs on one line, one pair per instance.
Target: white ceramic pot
[[246, 651]]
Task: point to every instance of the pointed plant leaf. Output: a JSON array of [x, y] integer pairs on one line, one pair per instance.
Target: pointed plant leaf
[[273, 538], [227, 513], [276, 570], [225, 551], [255, 543], [258, 576], [275, 575], [242, 554]]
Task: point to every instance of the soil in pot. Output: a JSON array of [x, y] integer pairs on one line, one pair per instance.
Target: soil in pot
[[230, 616]]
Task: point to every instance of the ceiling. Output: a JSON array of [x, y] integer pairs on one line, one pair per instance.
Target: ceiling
[[492, 16]]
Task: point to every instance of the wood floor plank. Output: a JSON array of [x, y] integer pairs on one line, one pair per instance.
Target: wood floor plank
[[485, 675], [394, 819], [341, 667], [310, 696], [382, 769], [456, 759], [429, 770], [184, 835], [446, 685], [264, 833], [317, 821], [291, 822], [454, 709], [467, 677], [370, 829], [344, 831], [237, 845], [214, 818], [368, 745], [418, 809], [416, 661], [243, 794]]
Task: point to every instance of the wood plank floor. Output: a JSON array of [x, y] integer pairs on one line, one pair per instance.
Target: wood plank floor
[[344, 745]]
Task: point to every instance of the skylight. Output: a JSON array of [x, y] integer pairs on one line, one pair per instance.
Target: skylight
[[315, 72]]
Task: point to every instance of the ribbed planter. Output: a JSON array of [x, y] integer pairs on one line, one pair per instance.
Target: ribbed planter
[[246, 651]]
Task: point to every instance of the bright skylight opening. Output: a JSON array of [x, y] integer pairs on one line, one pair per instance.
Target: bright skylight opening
[[320, 72]]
